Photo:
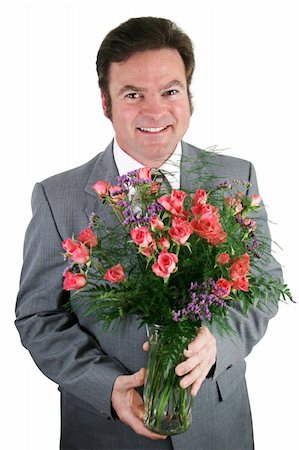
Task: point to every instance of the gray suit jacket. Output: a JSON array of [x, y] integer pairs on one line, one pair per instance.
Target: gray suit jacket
[[71, 350]]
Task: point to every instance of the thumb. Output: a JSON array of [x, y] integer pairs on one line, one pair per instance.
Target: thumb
[[136, 379]]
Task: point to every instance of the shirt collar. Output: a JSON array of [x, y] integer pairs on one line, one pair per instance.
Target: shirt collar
[[170, 168]]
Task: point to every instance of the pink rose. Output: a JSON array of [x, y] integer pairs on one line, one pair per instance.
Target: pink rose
[[77, 252], [156, 224], [164, 243], [180, 230], [165, 265], [223, 258], [200, 197], [230, 201], [115, 274], [101, 188], [141, 236], [241, 284], [116, 193], [246, 259], [210, 229], [88, 237], [173, 202], [69, 245], [203, 211], [223, 287], [240, 267], [256, 200], [155, 187], [235, 203], [149, 250], [144, 173], [73, 281]]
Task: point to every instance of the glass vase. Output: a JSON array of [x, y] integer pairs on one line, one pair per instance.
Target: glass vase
[[168, 407]]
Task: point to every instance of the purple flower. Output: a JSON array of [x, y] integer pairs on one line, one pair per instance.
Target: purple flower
[[203, 303], [230, 184], [91, 219]]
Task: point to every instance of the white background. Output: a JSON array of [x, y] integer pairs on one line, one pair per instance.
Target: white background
[[246, 100]]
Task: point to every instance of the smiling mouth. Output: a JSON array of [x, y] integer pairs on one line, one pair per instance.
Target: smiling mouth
[[153, 130]]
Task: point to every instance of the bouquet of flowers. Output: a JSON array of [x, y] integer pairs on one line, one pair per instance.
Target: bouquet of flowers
[[178, 260]]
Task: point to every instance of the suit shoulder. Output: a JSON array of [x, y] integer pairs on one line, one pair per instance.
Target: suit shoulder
[[214, 155], [65, 188], [75, 176]]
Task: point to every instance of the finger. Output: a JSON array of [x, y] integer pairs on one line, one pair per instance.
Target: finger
[[134, 419], [141, 429], [188, 365], [134, 380], [196, 374], [195, 346], [146, 346], [196, 386], [204, 337]]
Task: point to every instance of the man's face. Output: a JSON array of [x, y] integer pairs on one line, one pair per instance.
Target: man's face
[[150, 104]]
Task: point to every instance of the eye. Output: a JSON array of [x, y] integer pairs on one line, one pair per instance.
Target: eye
[[171, 92], [133, 95]]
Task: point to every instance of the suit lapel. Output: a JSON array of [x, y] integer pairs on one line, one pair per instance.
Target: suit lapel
[[190, 173], [105, 170], [199, 168]]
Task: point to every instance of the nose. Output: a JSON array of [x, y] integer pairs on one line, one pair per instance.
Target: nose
[[153, 107]]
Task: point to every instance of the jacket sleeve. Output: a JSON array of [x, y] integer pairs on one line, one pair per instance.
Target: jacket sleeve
[[62, 350], [250, 328]]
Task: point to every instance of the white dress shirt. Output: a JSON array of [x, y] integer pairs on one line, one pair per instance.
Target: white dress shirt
[[170, 168]]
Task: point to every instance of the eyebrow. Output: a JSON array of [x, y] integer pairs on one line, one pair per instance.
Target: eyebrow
[[131, 87], [172, 84]]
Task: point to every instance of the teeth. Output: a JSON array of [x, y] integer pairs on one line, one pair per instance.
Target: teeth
[[153, 130]]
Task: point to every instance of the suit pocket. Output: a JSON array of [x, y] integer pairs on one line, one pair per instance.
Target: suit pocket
[[230, 380]]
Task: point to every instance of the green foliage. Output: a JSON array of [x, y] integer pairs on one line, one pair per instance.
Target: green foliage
[[156, 299]]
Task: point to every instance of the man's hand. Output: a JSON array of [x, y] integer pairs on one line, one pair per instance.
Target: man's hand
[[201, 356], [128, 404]]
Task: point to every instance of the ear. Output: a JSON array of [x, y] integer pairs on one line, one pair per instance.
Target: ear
[[104, 104]]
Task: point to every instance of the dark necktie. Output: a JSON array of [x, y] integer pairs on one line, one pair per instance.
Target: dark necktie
[[159, 177]]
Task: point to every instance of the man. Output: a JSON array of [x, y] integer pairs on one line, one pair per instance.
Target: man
[[145, 68]]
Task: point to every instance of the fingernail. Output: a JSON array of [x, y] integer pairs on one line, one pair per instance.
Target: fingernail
[[184, 383]]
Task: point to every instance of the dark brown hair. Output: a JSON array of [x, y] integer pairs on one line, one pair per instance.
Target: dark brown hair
[[137, 35]]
